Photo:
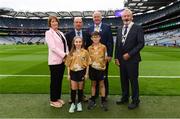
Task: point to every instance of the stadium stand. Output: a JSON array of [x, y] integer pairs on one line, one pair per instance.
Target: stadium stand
[[161, 24], [164, 38]]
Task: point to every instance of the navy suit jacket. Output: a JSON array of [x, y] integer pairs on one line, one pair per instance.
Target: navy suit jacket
[[70, 36], [106, 37], [133, 44]]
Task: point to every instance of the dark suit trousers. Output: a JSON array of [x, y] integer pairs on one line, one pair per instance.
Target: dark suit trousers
[[106, 83], [129, 72], [57, 72]]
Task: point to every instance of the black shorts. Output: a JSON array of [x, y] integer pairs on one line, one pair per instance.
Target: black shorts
[[78, 76], [96, 75]]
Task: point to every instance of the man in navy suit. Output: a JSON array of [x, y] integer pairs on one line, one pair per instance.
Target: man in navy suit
[[129, 43], [107, 40], [77, 31]]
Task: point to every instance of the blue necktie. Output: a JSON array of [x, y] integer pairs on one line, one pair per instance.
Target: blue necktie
[[78, 33]]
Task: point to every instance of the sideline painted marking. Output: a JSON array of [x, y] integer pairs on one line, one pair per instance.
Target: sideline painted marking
[[111, 76]]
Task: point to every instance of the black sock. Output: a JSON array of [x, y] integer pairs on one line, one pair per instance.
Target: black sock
[[103, 99], [73, 96], [80, 95], [93, 98]]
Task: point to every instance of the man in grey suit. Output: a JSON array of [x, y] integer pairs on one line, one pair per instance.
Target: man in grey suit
[[129, 43]]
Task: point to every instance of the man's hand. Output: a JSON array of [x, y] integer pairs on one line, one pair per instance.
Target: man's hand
[[117, 62], [126, 56], [109, 59]]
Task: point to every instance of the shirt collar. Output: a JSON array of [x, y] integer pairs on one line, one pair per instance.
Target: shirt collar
[[98, 25], [78, 31], [129, 25]]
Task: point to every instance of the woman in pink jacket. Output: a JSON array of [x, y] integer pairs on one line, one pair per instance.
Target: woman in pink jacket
[[58, 50]]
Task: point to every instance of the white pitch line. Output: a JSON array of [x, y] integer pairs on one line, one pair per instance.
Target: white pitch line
[[112, 76]]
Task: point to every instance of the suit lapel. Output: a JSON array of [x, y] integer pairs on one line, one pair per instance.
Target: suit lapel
[[92, 29], [129, 33], [55, 35], [62, 35], [73, 34], [120, 34], [101, 28], [83, 34]]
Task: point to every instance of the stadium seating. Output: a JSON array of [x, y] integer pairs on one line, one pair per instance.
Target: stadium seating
[[164, 38], [158, 27]]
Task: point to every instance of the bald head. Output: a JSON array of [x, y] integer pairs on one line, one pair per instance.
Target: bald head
[[97, 17], [78, 23]]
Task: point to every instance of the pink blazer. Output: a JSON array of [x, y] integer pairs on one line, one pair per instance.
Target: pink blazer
[[55, 47]]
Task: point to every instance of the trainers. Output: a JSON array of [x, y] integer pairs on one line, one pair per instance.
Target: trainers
[[72, 108], [79, 107], [91, 104], [104, 106]]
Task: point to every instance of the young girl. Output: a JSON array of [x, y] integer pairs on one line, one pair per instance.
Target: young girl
[[77, 63], [98, 56]]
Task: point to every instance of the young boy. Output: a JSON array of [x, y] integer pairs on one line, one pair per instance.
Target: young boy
[[98, 56]]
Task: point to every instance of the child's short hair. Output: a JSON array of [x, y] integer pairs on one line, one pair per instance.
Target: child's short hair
[[95, 33]]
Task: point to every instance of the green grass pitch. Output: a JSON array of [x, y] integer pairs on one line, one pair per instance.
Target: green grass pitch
[[18, 60], [24, 85]]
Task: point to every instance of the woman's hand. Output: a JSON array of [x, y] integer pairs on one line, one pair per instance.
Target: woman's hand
[[68, 77], [86, 76]]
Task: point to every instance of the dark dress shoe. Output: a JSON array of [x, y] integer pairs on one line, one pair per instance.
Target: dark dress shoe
[[120, 102], [133, 105]]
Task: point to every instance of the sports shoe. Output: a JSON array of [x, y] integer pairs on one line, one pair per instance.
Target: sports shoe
[[79, 107], [104, 106], [72, 108], [91, 104]]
